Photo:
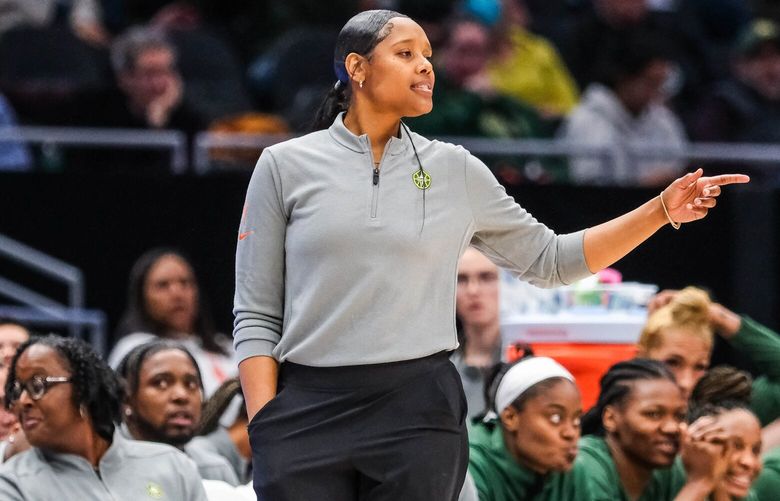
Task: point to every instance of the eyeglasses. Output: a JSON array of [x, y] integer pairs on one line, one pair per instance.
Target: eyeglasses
[[36, 387]]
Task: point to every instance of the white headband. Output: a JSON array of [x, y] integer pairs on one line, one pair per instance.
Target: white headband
[[525, 374]]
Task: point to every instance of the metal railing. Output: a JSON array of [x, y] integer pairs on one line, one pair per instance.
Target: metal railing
[[204, 144], [39, 307], [204, 141], [173, 140], [47, 265], [93, 321], [766, 155]]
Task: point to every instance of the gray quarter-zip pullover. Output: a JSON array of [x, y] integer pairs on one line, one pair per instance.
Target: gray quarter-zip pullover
[[129, 471], [339, 265]]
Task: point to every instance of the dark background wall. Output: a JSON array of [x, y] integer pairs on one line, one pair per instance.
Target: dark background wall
[[102, 222]]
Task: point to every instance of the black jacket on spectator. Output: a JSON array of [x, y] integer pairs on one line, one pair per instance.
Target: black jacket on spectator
[[735, 112], [591, 39], [110, 109]]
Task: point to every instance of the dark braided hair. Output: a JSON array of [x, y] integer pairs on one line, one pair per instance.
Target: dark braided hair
[[716, 409], [723, 383], [129, 369], [95, 386], [360, 35], [215, 406], [616, 387]]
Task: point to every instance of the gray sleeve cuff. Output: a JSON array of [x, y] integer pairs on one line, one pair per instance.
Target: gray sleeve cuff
[[571, 257], [248, 348]]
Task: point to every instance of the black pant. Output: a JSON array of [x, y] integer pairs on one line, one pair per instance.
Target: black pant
[[390, 432]]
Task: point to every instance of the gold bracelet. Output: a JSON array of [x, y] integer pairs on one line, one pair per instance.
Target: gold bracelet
[[676, 226]]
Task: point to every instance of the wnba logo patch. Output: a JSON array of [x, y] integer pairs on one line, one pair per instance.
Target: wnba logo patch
[[154, 491], [422, 179]]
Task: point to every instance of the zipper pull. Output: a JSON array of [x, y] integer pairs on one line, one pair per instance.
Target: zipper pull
[[376, 176]]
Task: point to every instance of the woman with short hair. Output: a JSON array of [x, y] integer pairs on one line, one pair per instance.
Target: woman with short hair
[[67, 400]]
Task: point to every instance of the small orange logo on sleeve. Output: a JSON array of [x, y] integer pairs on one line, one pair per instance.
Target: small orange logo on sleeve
[[245, 234]]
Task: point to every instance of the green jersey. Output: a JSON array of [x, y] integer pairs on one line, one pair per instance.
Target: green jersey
[[767, 486], [595, 463], [499, 477]]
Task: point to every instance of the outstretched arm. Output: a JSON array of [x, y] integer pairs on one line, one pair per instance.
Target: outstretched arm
[[686, 199]]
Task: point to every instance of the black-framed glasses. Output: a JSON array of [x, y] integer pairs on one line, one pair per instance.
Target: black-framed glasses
[[36, 387]]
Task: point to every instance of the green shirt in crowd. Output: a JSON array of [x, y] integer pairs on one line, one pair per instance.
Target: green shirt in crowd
[[595, 464], [767, 486], [762, 347], [498, 477]]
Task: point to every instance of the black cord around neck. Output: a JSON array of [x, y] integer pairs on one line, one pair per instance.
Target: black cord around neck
[[420, 171]]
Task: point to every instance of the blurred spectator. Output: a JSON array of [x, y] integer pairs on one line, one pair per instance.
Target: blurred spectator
[[223, 429], [527, 67], [164, 300], [149, 94], [746, 107], [464, 102], [431, 15], [721, 21], [680, 332], [293, 74], [477, 305], [624, 108], [84, 17], [163, 399], [205, 61], [67, 400], [144, 62], [603, 28], [14, 155], [12, 335]]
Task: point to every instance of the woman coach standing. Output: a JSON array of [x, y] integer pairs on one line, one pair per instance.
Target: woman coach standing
[[345, 280]]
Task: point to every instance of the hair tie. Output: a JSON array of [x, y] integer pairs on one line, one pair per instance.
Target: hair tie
[[341, 72]]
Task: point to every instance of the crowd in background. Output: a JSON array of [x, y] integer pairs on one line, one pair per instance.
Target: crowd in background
[[665, 425], [599, 72], [163, 414]]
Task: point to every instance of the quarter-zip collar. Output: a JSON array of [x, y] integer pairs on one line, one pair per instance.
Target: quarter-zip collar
[[361, 144], [112, 455]]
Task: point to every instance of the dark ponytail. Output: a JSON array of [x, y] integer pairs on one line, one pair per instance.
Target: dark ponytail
[[336, 101], [360, 35], [616, 386], [217, 404]]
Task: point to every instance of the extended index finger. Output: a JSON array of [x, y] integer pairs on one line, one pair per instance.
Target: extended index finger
[[725, 179]]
